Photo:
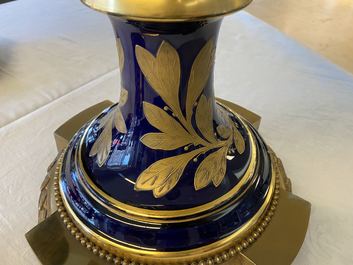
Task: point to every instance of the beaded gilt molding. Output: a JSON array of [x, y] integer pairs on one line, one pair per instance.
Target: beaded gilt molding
[[219, 258]]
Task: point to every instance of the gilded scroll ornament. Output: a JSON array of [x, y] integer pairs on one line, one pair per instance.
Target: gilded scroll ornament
[[178, 130]]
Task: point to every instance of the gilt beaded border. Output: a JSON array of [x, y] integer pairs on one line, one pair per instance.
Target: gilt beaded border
[[212, 260]]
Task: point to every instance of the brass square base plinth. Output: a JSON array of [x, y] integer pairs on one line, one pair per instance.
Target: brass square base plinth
[[278, 245]]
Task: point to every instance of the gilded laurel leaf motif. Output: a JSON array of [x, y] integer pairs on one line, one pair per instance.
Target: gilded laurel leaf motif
[[163, 141], [163, 175], [119, 47], [119, 121], [238, 140], [220, 169], [228, 128], [162, 121], [101, 147], [204, 173], [177, 130], [162, 73], [169, 184], [199, 75], [224, 131], [211, 169], [123, 96], [224, 118], [204, 119]]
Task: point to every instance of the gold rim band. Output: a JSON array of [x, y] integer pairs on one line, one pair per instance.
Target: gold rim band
[[167, 10], [151, 215], [218, 251]]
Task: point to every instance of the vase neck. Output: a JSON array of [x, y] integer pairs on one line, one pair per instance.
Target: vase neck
[[137, 41]]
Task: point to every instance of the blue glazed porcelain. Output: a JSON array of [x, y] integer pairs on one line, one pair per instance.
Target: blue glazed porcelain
[[128, 156], [163, 237], [167, 169]]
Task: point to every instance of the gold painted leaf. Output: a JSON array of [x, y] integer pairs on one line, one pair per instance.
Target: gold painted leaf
[[203, 175], [221, 167], [225, 127], [212, 168], [162, 121], [107, 117], [102, 124], [223, 117], [199, 75], [224, 131], [169, 184], [162, 73], [119, 121], [119, 46], [163, 141], [102, 145], [239, 141], [163, 175], [204, 119], [123, 97]]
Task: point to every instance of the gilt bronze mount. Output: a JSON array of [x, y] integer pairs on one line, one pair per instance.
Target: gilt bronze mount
[[170, 174]]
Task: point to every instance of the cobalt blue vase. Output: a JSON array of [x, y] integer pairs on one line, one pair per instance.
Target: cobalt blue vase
[[169, 175]]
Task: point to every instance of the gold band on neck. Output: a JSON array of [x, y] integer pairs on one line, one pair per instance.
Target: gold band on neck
[[167, 10]]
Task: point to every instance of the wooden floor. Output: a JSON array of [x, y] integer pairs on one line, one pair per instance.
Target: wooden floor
[[325, 26]]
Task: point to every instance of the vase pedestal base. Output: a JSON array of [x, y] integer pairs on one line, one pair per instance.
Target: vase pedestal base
[[278, 244]]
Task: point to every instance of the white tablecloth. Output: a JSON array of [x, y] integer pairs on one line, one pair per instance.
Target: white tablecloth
[[47, 49], [58, 57]]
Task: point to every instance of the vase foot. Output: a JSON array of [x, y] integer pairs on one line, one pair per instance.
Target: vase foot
[[278, 244]]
